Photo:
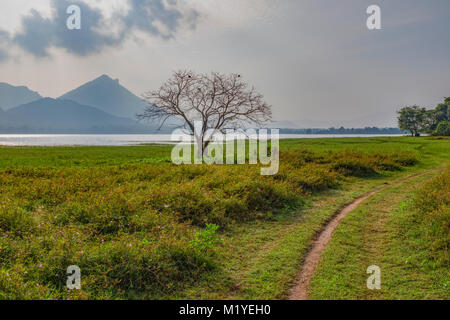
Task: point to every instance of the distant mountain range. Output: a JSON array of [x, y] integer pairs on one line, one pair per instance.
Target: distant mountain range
[[65, 116], [99, 106], [103, 105], [107, 95], [11, 96]]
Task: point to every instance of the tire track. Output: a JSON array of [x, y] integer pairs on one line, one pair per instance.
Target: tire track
[[300, 290]]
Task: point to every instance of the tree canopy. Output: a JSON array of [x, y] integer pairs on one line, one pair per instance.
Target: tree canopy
[[443, 129], [218, 101], [413, 119], [416, 119]]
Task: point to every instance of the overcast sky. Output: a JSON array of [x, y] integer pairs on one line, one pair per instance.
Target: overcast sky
[[314, 60]]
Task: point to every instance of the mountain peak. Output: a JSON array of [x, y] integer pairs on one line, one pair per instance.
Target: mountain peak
[[12, 96], [105, 79], [66, 116], [107, 95]]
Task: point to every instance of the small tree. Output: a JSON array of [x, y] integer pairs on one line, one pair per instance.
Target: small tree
[[219, 101], [443, 129], [442, 113], [415, 119]]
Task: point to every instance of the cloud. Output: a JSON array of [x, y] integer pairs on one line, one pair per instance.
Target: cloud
[[3, 55], [147, 16], [158, 18], [4, 41]]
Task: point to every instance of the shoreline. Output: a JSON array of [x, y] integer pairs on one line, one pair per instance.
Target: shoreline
[[109, 140]]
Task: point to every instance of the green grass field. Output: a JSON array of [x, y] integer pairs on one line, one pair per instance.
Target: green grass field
[[140, 227], [405, 231]]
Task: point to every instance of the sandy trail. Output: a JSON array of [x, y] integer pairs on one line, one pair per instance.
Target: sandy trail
[[300, 290]]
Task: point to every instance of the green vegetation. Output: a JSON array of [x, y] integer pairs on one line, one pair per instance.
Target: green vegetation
[[441, 115], [442, 129], [140, 227], [403, 230], [431, 212], [206, 239], [415, 119], [418, 120]]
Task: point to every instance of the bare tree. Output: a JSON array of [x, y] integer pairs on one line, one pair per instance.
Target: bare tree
[[217, 100]]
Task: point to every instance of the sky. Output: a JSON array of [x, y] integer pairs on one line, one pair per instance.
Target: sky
[[315, 61]]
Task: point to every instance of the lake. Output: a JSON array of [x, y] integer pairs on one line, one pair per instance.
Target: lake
[[124, 139]]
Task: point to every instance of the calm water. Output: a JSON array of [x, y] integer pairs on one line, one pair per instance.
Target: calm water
[[121, 139]]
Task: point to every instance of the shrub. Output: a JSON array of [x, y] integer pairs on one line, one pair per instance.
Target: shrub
[[354, 168], [356, 164], [152, 270], [432, 205], [443, 129], [261, 196], [314, 178], [16, 219], [206, 239]]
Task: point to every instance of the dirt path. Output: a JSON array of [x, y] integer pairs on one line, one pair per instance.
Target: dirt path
[[300, 290]]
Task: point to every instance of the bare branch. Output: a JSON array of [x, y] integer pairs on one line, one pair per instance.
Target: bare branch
[[217, 100]]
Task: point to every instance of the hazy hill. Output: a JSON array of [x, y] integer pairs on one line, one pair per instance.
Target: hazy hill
[[11, 96], [51, 115], [107, 95], [2, 116]]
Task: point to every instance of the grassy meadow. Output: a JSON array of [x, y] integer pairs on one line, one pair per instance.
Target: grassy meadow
[[405, 231], [140, 227]]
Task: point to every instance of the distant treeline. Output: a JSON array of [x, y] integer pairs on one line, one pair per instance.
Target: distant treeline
[[150, 130], [342, 130]]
